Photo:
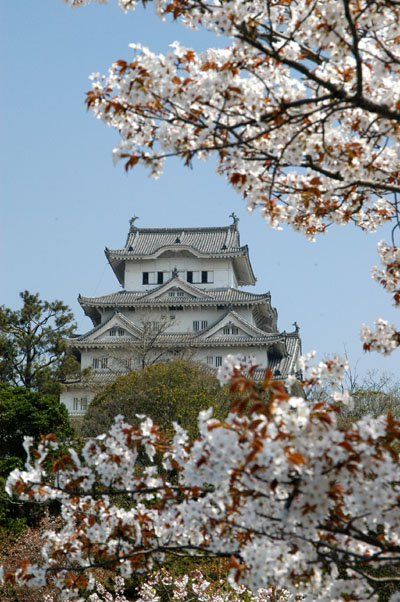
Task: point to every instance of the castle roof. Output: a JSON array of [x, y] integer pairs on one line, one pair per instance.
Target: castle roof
[[211, 297], [162, 296], [209, 242]]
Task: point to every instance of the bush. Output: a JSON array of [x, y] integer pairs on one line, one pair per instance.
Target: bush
[[167, 392]]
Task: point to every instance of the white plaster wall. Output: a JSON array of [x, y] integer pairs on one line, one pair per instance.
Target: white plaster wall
[[67, 398], [183, 319], [223, 271], [114, 355], [260, 355]]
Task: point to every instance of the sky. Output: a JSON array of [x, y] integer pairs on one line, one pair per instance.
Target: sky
[[63, 201]]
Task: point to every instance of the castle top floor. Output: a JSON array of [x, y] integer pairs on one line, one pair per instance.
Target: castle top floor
[[209, 257]]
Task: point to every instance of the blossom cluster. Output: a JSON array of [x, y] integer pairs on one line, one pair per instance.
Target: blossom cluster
[[233, 365], [277, 488], [279, 98], [196, 587], [389, 275], [185, 588], [384, 338]]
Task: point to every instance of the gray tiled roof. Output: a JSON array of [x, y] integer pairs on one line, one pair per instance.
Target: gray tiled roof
[[146, 241], [288, 364], [166, 340], [126, 298], [213, 242]]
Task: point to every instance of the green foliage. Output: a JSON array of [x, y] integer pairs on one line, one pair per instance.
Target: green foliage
[[167, 392], [25, 413], [32, 343]]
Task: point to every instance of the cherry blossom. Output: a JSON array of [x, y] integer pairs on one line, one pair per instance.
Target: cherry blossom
[[385, 338], [301, 109], [186, 588], [277, 488], [196, 587]]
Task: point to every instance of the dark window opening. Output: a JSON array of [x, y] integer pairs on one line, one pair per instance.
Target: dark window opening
[[160, 277], [145, 277], [189, 277], [175, 308], [204, 277]]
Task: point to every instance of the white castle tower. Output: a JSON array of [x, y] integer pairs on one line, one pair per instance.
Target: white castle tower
[[181, 298]]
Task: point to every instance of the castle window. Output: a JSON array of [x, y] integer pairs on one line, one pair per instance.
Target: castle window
[[153, 277], [171, 294], [155, 326], [218, 360], [196, 325], [180, 294], [128, 364], [231, 330], [210, 360], [204, 324], [80, 404], [100, 363], [117, 332], [203, 277]]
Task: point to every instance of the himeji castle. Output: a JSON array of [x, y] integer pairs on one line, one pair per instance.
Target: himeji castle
[[181, 298]]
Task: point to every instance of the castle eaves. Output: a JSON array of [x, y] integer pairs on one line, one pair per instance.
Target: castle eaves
[[215, 296]]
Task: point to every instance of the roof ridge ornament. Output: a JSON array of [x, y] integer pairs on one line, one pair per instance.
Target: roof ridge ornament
[[235, 219], [132, 223]]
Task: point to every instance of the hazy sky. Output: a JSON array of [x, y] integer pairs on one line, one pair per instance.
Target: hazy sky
[[63, 201]]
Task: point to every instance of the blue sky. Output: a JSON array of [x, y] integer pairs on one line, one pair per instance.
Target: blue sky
[[63, 201]]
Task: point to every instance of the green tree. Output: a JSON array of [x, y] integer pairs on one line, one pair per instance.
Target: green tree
[[25, 413], [168, 392], [32, 343]]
